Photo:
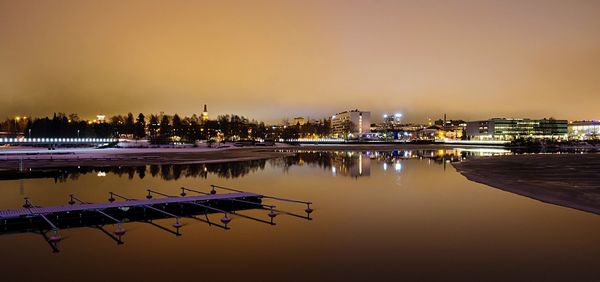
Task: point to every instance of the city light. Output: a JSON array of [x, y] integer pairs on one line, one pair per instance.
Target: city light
[[58, 140]]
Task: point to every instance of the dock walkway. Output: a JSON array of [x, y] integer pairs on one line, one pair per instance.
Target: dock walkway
[[20, 212]]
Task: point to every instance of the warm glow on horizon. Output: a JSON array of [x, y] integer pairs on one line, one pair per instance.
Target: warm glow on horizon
[[275, 59]]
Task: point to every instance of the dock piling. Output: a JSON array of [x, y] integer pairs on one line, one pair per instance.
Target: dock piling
[[308, 209]]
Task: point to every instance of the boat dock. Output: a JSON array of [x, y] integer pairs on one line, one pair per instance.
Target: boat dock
[[120, 209]]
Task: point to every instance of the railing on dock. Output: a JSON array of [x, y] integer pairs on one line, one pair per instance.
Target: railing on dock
[[156, 205]]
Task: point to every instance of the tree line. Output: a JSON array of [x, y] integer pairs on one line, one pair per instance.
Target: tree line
[[160, 128]]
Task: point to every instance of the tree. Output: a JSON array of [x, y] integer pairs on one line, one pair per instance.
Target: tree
[[177, 126], [140, 126], [348, 128], [165, 127], [154, 126], [129, 127], [118, 124], [73, 117]]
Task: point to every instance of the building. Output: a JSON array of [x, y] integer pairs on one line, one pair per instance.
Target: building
[[204, 116], [100, 118], [584, 130], [508, 129], [299, 121], [451, 128], [392, 120], [350, 123]]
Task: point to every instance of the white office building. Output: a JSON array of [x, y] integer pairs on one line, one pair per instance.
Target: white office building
[[350, 124]]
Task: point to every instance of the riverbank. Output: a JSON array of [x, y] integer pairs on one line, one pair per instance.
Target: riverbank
[[569, 180], [15, 158], [387, 147]]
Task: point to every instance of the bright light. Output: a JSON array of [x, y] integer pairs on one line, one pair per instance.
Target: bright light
[[385, 116], [384, 166], [398, 167], [398, 115]]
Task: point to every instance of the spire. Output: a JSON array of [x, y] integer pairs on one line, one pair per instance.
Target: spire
[[204, 117]]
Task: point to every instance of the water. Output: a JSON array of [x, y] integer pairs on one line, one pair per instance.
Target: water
[[385, 216]]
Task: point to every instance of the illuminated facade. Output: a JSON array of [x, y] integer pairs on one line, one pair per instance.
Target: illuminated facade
[[511, 129], [450, 128], [350, 123], [584, 130], [299, 121], [392, 120], [204, 116], [101, 118]]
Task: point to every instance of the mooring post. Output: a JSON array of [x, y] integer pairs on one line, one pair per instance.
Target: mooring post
[[27, 204], [225, 218], [177, 222], [183, 189], [118, 196], [308, 209], [159, 193]]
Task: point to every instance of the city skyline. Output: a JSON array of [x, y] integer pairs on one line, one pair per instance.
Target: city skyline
[[469, 59]]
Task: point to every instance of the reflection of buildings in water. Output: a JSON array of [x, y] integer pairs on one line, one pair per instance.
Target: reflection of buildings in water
[[345, 163], [353, 165]]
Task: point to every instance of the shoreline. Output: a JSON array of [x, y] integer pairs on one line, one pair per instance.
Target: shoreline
[[567, 180], [40, 159], [15, 158]]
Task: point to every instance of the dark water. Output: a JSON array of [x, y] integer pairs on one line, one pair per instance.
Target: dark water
[[385, 216]]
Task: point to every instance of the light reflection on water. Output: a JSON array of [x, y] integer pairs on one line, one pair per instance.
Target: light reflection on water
[[401, 215], [341, 163]]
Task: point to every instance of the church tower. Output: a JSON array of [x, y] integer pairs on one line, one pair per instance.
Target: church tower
[[204, 117]]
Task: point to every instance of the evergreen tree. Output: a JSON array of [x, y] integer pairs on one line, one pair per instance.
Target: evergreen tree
[[165, 127], [177, 126], [154, 126], [129, 127], [140, 126]]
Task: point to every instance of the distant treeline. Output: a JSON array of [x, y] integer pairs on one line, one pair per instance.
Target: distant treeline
[[158, 128]]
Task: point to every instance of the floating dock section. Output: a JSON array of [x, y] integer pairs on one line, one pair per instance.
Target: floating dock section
[[120, 209]]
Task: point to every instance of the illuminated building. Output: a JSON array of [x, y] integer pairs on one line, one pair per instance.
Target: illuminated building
[[584, 130], [204, 116], [350, 123], [512, 128], [299, 121], [451, 129], [392, 120], [101, 118]]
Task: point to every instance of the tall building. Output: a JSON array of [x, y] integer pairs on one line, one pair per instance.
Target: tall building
[[204, 116], [392, 120], [350, 123], [511, 129]]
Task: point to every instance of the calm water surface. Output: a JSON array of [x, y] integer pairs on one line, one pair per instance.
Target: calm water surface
[[379, 216]]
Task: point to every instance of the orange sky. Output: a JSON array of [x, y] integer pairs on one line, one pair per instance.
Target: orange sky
[[275, 59]]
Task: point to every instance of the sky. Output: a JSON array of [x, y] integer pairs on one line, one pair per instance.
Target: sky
[[271, 60]]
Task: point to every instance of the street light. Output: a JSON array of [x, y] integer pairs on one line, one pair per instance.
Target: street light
[[17, 119]]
